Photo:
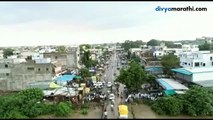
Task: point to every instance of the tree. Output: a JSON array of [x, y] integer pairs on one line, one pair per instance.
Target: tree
[[133, 77], [61, 49], [198, 101], [168, 62], [63, 109], [84, 72], [32, 93], [84, 47], [131, 44], [168, 105], [153, 42], [7, 52], [135, 58], [205, 46]]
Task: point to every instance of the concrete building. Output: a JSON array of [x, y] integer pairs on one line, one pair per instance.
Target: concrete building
[[16, 76], [201, 76], [69, 59], [160, 51], [196, 59]]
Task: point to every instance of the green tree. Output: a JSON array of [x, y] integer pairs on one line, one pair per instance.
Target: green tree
[[205, 46], [198, 101], [133, 77], [84, 72], [135, 58], [131, 44], [153, 42], [63, 109], [168, 62], [61, 49], [32, 94], [84, 47], [7, 52], [168, 105]]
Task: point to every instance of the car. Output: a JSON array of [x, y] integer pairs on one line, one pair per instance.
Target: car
[[109, 84], [111, 96]]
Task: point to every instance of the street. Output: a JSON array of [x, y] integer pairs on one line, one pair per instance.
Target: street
[[112, 68]]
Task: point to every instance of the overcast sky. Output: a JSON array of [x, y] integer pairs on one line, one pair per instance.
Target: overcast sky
[[43, 23]]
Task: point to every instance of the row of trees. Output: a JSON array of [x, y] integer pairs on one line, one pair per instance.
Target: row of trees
[[205, 46], [28, 104], [134, 76], [197, 101], [132, 44]]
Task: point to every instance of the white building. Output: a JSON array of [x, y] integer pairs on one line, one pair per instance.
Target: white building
[[196, 59], [163, 50], [201, 76], [137, 51]]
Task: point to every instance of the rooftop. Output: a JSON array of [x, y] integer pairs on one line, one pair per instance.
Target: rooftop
[[189, 71], [171, 84]]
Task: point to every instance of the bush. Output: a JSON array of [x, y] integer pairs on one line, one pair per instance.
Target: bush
[[85, 106], [63, 109], [84, 111], [33, 93], [168, 105]]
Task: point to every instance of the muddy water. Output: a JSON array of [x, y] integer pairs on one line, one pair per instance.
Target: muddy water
[[93, 112], [144, 111]]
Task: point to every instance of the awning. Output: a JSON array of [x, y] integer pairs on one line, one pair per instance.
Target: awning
[[53, 85], [182, 71], [170, 92], [65, 78], [78, 77], [165, 84], [123, 110]]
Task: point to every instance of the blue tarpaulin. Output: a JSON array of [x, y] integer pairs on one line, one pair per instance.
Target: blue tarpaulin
[[65, 78], [165, 84]]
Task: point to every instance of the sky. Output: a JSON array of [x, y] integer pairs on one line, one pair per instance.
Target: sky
[[68, 23]]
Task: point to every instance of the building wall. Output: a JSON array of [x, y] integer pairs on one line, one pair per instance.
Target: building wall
[[18, 76], [204, 60], [203, 76], [68, 59]]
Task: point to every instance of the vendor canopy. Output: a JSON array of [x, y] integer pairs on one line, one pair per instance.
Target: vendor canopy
[[65, 78]]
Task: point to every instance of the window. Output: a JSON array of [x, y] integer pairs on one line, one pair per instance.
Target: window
[[185, 63], [197, 64], [159, 53], [7, 74], [210, 58], [204, 64], [39, 69], [6, 66], [56, 57], [47, 69], [189, 64], [212, 63], [30, 68]]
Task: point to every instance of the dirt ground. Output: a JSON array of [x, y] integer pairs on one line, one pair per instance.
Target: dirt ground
[[144, 111]]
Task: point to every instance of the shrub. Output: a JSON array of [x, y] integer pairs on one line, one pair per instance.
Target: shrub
[[168, 105], [84, 111], [63, 109], [33, 93]]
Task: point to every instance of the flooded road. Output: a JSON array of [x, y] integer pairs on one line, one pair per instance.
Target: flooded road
[[144, 111]]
